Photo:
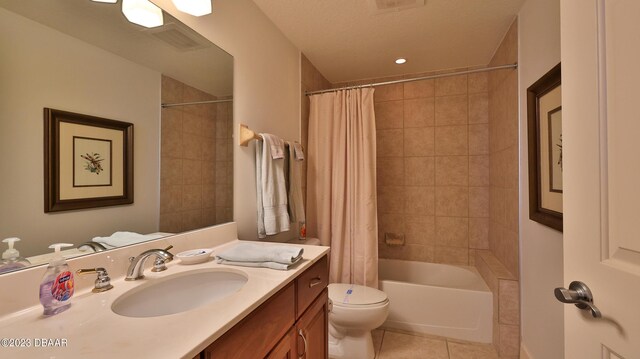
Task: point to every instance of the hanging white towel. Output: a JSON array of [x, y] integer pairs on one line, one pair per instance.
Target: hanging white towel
[[261, 231], [296, 204], [271, 188]]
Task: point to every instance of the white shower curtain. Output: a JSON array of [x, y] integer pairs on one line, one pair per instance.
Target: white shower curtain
[[341, 183]]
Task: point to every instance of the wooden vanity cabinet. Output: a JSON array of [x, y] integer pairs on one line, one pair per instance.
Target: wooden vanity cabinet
[[280, 327], [286, 348]]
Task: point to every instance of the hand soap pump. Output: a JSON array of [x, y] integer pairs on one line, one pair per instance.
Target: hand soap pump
[[11, 259], [57, 287]]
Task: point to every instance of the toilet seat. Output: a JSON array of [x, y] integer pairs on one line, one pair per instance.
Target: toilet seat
[[356, 296]]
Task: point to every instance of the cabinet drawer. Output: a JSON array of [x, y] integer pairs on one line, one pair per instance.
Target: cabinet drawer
[[259, 332], [311, 283]]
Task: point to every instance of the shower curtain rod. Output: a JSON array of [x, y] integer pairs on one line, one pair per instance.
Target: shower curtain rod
[[165, 105], [501, 67]]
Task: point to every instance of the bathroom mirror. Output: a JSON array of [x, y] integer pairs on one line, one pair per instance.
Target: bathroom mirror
[[84, 57]]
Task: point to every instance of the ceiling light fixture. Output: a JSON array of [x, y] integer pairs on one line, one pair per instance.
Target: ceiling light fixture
[[400, 60], [193, 7], [107, 1], [142, 12]]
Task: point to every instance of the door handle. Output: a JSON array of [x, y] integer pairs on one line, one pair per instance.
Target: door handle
[[580, 295]]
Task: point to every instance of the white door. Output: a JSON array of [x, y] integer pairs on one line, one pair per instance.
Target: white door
[[601, 144]]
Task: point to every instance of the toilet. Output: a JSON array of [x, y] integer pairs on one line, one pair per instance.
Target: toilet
[[354, 311]]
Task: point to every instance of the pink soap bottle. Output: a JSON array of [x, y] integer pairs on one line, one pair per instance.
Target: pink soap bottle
[[56, 288]]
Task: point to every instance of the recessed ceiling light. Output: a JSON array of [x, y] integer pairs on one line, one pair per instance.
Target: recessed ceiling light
[[401, 60], [107, 1], [142, 12]]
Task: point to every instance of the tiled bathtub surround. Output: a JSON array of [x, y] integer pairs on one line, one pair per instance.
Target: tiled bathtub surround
[[433, 167], [196, 166]]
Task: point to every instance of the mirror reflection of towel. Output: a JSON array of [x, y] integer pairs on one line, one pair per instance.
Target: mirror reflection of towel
[[119, 239]]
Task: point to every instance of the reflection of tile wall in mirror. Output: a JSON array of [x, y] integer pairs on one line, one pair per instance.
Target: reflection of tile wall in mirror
[[196, 163], [98, 63]]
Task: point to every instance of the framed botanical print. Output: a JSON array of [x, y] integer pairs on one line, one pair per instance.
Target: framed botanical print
[[88, 161], [544, 122]]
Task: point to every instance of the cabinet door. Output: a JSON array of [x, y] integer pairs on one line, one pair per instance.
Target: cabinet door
[[257, 334], [312, 330], [286, 348]]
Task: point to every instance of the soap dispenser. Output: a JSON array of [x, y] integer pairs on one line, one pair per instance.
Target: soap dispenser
[[57, 287], [11, 259]]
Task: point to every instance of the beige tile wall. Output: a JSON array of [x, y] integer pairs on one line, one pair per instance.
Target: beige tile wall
[[500, 265], [433, 167], [196, 160], [224, 162]]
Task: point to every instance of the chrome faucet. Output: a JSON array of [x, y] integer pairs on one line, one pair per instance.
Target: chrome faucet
[[97, 247], [136, 268]]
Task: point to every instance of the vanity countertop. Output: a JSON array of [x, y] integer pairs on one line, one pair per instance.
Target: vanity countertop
[[89, 329]]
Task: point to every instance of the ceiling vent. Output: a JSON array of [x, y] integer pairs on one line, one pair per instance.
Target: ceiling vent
[[178, 37], [384, 6]]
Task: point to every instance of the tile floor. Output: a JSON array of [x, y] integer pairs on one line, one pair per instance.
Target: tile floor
[[396, 345]]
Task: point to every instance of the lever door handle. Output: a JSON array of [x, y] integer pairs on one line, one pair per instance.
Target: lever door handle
[[580, 295]]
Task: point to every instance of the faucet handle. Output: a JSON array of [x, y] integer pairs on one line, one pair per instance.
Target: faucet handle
[[159, 264], [102, 283], [167, 250]]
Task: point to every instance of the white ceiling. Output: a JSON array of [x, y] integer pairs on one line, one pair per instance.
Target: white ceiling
[[346, 40]]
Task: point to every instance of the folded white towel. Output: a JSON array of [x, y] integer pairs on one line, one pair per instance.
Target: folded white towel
[[250, 252], [272, 265], [119, 239]]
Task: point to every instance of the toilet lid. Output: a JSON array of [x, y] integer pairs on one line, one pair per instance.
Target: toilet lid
[[352, 294]]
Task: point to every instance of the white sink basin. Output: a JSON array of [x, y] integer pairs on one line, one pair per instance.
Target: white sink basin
[[178, 293]]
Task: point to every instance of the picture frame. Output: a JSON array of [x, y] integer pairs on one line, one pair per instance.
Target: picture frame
[[544, 127], [88, 161]]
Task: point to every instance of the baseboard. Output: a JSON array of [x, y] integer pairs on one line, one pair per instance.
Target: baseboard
[[524, 354]]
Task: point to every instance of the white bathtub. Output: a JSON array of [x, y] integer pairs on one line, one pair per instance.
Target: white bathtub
[[438, 299]]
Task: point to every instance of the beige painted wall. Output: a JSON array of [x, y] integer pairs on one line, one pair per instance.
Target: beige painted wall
[[266, 88], [48, 69], [541, 247], [310, 80], [503, 198]]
